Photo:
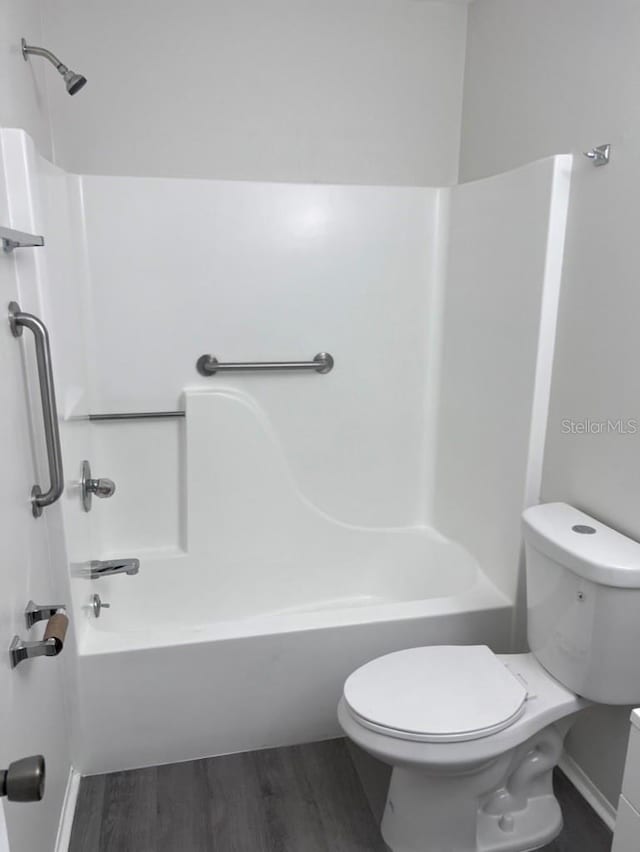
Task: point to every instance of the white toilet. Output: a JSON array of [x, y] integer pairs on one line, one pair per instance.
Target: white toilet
[[473, 736]]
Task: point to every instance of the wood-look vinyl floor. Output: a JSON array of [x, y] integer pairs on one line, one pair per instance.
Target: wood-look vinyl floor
[[304, 798]]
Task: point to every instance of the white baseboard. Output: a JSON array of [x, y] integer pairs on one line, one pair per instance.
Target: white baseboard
[[588, 790], [68, 810]]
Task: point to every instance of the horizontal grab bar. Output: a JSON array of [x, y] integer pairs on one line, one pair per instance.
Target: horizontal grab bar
[[207, 365], [137, 415], [12, 239]]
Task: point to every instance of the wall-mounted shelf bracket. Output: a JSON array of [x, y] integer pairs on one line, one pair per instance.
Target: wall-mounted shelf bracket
[[19, 239]]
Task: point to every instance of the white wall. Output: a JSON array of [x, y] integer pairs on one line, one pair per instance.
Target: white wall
[[368, 91], [23, 98], [36, 699], [500, 306], [560, 75]]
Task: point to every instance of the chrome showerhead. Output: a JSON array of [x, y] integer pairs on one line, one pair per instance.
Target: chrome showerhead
[[74, 82]]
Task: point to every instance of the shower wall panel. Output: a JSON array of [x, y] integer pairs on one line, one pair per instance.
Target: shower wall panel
[[506, 242], [254, 271]]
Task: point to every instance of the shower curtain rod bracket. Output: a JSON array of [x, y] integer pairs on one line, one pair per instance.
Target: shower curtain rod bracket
[[600, 155]]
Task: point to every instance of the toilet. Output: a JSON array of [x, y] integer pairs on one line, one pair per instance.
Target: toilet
[[472, 737]]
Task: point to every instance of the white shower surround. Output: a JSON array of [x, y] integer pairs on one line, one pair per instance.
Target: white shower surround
[[186, 663]]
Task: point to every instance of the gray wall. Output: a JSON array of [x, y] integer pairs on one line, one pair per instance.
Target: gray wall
[[547, 76], [23, 97], [364, 91], [370, 92]]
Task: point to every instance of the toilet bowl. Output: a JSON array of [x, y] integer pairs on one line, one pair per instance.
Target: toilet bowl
[[472, 737]]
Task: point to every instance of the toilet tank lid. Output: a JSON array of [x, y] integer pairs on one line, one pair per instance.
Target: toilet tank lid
[[582, 544]]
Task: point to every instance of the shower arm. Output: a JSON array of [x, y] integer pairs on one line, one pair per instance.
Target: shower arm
[[73, 81], [42, 51]]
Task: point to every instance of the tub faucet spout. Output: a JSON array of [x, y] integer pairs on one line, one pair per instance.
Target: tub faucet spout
[[105, 568]]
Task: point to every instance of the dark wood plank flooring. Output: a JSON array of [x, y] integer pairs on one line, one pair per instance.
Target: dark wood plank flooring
[[299, 799], [583, 829]]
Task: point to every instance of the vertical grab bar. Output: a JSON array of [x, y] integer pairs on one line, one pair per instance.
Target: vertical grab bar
[[17, 321]]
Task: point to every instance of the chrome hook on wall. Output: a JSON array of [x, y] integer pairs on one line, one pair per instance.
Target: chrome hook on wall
[[600, 155]]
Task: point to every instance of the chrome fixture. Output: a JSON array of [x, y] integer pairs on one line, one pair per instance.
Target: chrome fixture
[[12, 239], [74, 82], [23, 781], [137, 415], [207, 365], [18, 321], [97, 605], [40, 612], [51, 643], [600, 155], [100, 487], [106, 568]]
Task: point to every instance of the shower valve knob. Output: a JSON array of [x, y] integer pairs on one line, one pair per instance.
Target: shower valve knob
[[97, 605], [99, 487]]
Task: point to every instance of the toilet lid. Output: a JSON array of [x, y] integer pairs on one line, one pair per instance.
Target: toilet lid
[[442, 693]]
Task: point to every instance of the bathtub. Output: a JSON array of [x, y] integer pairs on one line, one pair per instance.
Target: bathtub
[[198, 681], [242, 637]]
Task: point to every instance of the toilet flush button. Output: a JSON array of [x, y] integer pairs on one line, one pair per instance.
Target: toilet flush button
[[584, 529]]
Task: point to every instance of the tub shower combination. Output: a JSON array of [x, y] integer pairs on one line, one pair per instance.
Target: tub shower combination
[[271, 525]]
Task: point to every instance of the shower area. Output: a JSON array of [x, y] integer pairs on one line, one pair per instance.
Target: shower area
[[323, 409]]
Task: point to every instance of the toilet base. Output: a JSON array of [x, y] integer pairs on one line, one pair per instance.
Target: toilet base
[[538, 824], [505, 805]]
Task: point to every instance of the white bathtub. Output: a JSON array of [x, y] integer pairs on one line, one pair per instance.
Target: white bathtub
[[242, 639], [161, 683]]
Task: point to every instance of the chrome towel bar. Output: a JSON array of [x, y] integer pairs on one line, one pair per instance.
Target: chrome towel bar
[[137, 415], [17, 321], [207, 365], [18, 239]]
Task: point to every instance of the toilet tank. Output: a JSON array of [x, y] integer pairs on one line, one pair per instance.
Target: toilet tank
[[583, 602]]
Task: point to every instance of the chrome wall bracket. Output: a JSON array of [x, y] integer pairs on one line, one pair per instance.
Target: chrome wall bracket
[[40, 612], [12, 239], [88, 486], [19, 650], [600, 155], [51, 643]]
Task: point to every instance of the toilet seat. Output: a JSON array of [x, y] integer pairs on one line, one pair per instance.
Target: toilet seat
[[438, 693]]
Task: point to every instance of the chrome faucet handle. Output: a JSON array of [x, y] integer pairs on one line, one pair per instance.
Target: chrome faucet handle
[[100, 487], [97, 605]]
